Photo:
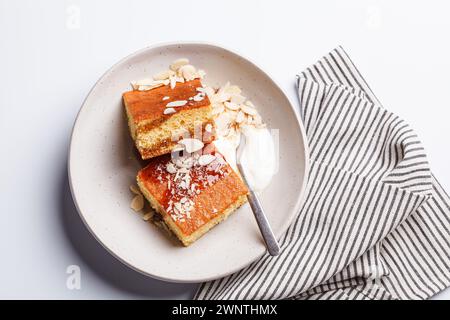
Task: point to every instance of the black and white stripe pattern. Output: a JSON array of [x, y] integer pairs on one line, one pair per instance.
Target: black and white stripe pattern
[[375, 222]]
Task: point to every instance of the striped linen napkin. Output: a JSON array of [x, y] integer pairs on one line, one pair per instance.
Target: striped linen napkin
[[375, 223]]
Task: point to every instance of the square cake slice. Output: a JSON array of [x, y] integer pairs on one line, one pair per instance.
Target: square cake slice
[[192, 193], [156, 115]]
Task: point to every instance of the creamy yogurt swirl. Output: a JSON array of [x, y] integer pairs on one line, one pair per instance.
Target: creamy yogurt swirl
[[258, 157]]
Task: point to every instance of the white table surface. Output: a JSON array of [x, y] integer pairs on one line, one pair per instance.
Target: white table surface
[[52, 52]]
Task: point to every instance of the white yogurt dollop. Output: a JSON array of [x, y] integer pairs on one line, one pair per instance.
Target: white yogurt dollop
[[258, 157], [227, 146]]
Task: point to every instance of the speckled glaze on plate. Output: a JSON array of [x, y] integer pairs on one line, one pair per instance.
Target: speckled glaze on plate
[[103, 164]]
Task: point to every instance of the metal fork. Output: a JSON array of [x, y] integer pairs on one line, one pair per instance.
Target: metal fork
[[255, 204]]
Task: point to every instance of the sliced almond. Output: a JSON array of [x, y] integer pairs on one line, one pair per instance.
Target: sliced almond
[[231, 105], [240, 117], [179, 79], [148, 216], [177, 103], [233, 90], [257, 119], [173, 82], [248, 110], [171, 168], [135, 189], [222, 95], [145, 88], [213, 99], [137, 204], [237, 98], [218, 108], [223, 123], [144, 82], [178, 63], [166, 98], [209, 91], [191, 145], [232, 115], [163, 75], [169, 111], [206, 159], [188, 72], [160, 82], [199, 96], [250, 104]]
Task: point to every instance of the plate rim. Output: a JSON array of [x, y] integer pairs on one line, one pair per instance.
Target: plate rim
[[161, 45]]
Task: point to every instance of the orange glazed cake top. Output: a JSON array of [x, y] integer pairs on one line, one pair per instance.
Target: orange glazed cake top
[[149, 105], [192, 189]]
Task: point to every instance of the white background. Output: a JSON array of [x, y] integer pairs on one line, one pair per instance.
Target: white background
[[52, 52]]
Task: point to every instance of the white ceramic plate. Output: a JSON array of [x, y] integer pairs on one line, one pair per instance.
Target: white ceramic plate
[[103, 164]]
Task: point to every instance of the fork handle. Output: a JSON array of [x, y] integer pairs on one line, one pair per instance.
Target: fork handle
[[261, 219]]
